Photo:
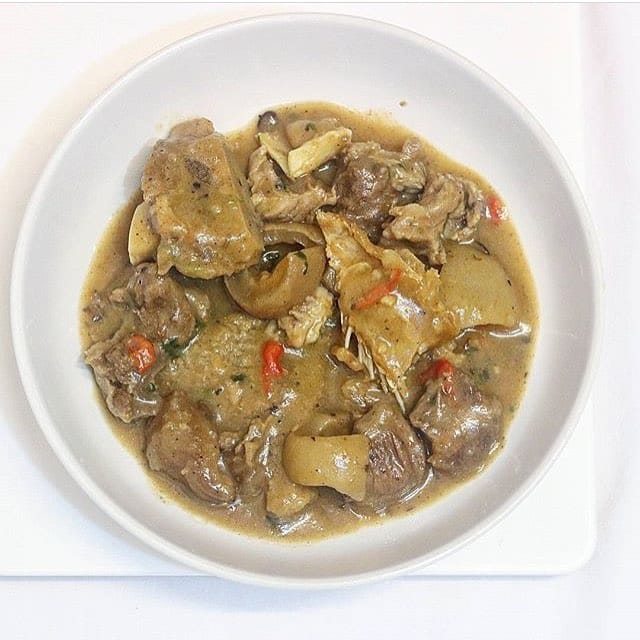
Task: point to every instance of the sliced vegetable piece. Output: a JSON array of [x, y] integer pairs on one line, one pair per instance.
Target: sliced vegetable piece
[[338, 462], [337, 423], [317, 151], [477, 289], [143, 240], [276, 148], [285, 498], [301, 131]]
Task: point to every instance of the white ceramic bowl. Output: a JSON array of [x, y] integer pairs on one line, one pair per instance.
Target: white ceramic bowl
[[229, 74]]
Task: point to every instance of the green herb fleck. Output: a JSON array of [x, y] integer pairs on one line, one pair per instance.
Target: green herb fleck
[[172, 348], [152, 387], [303, 257], [239, 377]]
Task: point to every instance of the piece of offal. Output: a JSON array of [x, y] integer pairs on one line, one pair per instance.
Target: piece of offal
[[200, 204], [388, 300]]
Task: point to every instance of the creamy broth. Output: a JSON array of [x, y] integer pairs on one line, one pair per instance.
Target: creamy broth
[[495, 359]]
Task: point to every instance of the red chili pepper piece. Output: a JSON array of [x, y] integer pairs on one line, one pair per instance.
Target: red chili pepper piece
[[271, 368], [496, 208], [379, 291], [142, 353], [440, 369]]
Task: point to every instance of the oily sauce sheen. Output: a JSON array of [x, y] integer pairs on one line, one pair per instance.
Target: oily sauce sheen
[[495, 360]]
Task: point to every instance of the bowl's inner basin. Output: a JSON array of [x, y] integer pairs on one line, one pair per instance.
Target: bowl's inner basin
[[347, 429], [447, 102]]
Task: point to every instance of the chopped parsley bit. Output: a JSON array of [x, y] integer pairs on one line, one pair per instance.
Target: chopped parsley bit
[[302, 256], [172, 348], [152, 387], [239, 377]]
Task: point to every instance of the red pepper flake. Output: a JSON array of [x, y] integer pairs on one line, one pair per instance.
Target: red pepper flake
[[379, 291], [142, 353], [496, 208], [272, 351], [440, 369]]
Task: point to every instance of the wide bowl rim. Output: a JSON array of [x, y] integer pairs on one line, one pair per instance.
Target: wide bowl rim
[[129, 522]]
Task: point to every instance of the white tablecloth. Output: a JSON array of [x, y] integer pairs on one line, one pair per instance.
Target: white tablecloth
[[55, 60]]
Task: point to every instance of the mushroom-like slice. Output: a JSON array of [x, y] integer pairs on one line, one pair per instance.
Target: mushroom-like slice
[[301, 131], [317, 151], [306, 235], [339, 462], [335, 423], [266, 294], [143, 239], [285, 498], [275, 197], [276, 148], [476, 287]]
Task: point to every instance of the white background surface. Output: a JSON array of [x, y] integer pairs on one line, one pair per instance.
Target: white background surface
[[55, 60]]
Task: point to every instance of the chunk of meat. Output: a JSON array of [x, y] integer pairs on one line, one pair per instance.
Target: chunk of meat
[[450, 209], [201, 205], [161, 305], [472, 207], [397, 458], [347, 357], [371, 180], [463, 425], [362, 393], [304, 322], [128, 394], [183, 443], [398, 325], [275, 197], [155, 309]]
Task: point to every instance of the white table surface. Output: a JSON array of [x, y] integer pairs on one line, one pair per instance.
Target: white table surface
[[55, 60]]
